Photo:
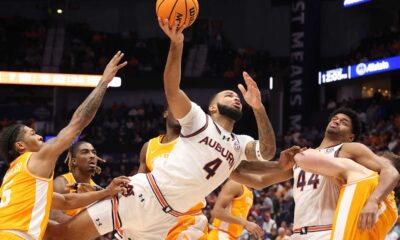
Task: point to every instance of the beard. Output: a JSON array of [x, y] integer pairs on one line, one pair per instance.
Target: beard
[[230, 112]]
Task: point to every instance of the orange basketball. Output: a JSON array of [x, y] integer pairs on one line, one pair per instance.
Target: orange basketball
[[183, 11]]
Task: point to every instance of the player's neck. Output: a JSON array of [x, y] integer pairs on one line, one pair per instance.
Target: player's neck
[[225, 122], [327, 142], [81, 177], [170, 136]]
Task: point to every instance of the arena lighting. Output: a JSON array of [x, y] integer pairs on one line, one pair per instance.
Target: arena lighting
[[54, 79], [359, 70], [59, 11], [349, 3]]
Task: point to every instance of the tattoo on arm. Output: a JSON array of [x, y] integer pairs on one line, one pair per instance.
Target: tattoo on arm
[[87, 110], [266, 134]]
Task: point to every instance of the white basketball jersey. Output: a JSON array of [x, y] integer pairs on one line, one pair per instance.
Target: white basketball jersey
[[202, 159], [315, 196]]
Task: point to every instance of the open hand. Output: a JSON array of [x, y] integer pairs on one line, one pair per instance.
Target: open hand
[[113, 67], [252, 94]]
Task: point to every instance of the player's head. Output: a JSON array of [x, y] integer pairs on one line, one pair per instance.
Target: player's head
[[344, 125], [226, 103], [83, 157], [17, 139], [171, 121]]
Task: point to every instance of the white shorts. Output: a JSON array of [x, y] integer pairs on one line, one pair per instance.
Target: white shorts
[[322, 235], [138, 216]]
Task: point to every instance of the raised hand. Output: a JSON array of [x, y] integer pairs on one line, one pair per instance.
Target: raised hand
[[113, 67], [174, 33], [252, 94]]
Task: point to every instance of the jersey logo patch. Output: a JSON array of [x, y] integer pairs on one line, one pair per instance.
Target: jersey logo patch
[[236, 146]]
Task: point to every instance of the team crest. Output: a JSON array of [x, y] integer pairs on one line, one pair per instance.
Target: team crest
[[236, 146]]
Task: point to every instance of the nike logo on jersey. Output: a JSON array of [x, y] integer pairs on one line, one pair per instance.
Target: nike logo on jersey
[[225, 153]]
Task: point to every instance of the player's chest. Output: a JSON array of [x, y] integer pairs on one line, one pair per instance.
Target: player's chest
[[306, 181]]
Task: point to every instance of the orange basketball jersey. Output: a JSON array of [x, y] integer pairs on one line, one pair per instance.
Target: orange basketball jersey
[[158, 150], [25, 200], [352, 198], [239, 207], [71, 180]]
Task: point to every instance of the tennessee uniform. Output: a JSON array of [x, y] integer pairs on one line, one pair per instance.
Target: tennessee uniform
[[316, 198], [71, 180], [25, 202], [239, 207], [202, 159], [188, 227], [351, 201]]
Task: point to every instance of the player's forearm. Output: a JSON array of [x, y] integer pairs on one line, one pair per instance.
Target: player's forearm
[[59, 216], [172, 72], [223, 215], [259, 167], [85, 113], [261, 181], [74, 200], [388, 179], [266, 134]]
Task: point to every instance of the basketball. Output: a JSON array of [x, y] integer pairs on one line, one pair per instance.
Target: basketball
[[183, 11]]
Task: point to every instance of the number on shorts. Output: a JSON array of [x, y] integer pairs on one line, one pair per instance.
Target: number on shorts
[[212, 167], [6, 196], [301, 180]]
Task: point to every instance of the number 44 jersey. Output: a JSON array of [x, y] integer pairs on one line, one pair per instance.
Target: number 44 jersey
[[202, 159], [315, 196]]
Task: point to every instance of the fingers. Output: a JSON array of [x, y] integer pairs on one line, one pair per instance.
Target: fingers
[[248, 80], [242, 89], [362, 222], [122, 65], [370, 221]]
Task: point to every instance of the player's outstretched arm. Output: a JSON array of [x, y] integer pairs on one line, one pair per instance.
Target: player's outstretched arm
[[261, 181], [265, 147], [230, 191], [178, 102], [42, 163], [73, 200], [312, 160]]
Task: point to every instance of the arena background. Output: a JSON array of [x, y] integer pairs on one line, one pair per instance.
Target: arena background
[[308, 57]]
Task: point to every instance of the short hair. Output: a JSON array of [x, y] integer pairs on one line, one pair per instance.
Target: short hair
[[8, 137], [394, 159], [355, 121], [72, 153]]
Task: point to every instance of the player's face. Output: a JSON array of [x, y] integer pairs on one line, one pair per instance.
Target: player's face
[[340, 126], [228, 104], [230, 99], [85, 158], [30, 141]]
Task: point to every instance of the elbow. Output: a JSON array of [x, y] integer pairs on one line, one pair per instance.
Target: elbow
[[215, 213], [269, 153]]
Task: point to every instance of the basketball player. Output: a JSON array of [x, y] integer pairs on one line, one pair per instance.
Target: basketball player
[[82, 165], [158, 149], [316, 196], [358, 184], [27, 188], [230, 213], [206, 153]]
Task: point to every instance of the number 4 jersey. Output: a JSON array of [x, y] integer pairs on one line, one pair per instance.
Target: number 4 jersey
[[315, 197], [202, 159]]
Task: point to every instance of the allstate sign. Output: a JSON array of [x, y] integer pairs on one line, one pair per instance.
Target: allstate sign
[[359, 70], [362, 68]]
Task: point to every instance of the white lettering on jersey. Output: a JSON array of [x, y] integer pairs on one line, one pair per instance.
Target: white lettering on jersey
[[202, 159]]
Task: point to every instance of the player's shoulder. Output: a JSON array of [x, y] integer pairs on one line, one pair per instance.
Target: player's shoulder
[[349, 149]]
